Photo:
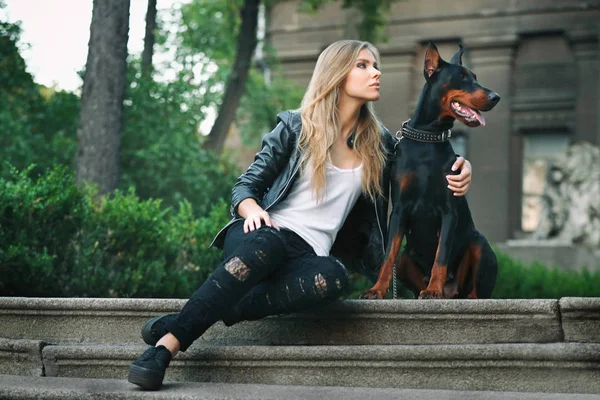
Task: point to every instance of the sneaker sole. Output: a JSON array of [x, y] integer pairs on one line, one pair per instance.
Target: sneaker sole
[[145, 378]]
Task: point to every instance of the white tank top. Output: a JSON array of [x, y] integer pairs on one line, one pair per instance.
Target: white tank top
[[318, 224]]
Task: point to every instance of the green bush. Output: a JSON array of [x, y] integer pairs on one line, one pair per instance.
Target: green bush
[[57, 240], [518, 280], [38, 225]]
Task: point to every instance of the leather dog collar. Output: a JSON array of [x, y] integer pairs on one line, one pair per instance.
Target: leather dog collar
[[423, 136]]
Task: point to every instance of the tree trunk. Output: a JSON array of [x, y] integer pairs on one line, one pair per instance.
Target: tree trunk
[[246, 43], [101, 115], [149, 39]]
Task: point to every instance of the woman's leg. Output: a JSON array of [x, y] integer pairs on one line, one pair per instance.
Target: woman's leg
[[249, 259], [256, 256], [305, 283]]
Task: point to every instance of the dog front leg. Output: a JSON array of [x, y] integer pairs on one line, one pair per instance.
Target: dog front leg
[[440, 267], [396, 235]]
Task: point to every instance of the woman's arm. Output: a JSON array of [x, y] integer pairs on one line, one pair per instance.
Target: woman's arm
[[277, 146]]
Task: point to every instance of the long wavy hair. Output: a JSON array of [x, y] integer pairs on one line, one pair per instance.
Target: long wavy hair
[[320, 118]]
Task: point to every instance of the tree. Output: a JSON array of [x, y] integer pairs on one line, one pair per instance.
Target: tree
[[373, 13], [101, 116], [149, 38], [246, 44]]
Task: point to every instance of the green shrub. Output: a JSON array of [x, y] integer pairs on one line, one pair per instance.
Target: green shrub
[[56, 240], [141, 249], [39, 221], [518, 280]]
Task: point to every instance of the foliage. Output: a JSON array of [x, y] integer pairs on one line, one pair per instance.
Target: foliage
[[18, 93], [56, 240], [517, 280], [37, 124], [206, 38], [161, 153], [38, 224], [261, 104], [206, 50]]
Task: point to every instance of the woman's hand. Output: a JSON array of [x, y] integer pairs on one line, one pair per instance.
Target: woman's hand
[[460, 183], [254, 215]]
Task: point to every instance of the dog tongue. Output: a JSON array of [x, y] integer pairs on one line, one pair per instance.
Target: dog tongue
[[479, 117], [476, 114]]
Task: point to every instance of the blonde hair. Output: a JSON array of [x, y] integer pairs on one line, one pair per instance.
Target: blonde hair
[[320, 118]]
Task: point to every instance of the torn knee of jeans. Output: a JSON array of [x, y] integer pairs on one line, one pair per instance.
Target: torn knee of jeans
[[321, 285], [237, 269]]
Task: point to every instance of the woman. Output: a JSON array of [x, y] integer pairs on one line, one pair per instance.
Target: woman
[[312, 205]]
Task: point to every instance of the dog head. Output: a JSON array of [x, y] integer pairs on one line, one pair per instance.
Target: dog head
[[462, 97]]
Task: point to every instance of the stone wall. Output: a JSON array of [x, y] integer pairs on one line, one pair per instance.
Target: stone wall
[[540, 56]]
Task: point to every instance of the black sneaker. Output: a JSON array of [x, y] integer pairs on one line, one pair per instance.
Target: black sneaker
[[148, 371], [154, 329]]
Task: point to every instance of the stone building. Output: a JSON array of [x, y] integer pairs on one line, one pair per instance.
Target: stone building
[[541, 56]]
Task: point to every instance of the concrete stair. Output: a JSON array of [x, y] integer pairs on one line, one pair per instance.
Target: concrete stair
[[16, 387], [485, 345]]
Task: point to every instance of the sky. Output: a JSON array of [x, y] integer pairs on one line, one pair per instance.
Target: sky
[[55, 35]]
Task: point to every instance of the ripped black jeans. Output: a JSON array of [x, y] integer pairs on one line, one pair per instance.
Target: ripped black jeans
[[265, 272]]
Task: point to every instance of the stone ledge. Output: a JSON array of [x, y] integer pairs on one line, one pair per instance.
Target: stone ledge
[[559, 367], [14, 387], [352, 322], [21, 357], [581, 319]]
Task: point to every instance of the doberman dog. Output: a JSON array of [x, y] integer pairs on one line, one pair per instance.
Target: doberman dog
[[445, 256]]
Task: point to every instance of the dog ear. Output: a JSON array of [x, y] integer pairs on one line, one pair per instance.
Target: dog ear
[[433, 60], [457, 57]]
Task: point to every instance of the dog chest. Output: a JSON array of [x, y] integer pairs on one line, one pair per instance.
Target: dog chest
[[421, 169]]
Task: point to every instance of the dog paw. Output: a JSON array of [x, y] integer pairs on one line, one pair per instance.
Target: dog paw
[[373, 294], [431, 294]]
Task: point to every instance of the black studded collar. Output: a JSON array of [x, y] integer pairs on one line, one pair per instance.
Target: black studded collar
[[422, 136]]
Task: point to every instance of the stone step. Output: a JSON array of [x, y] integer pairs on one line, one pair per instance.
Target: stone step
[[556, 367], [352, 322], [14, 387], [21, 357]]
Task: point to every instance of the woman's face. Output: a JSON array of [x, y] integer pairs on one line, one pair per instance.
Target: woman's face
[[362, 83]]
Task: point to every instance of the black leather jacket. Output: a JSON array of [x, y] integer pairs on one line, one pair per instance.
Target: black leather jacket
[[360, 243]]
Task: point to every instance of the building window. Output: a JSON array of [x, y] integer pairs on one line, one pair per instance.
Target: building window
[[538, 149]]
